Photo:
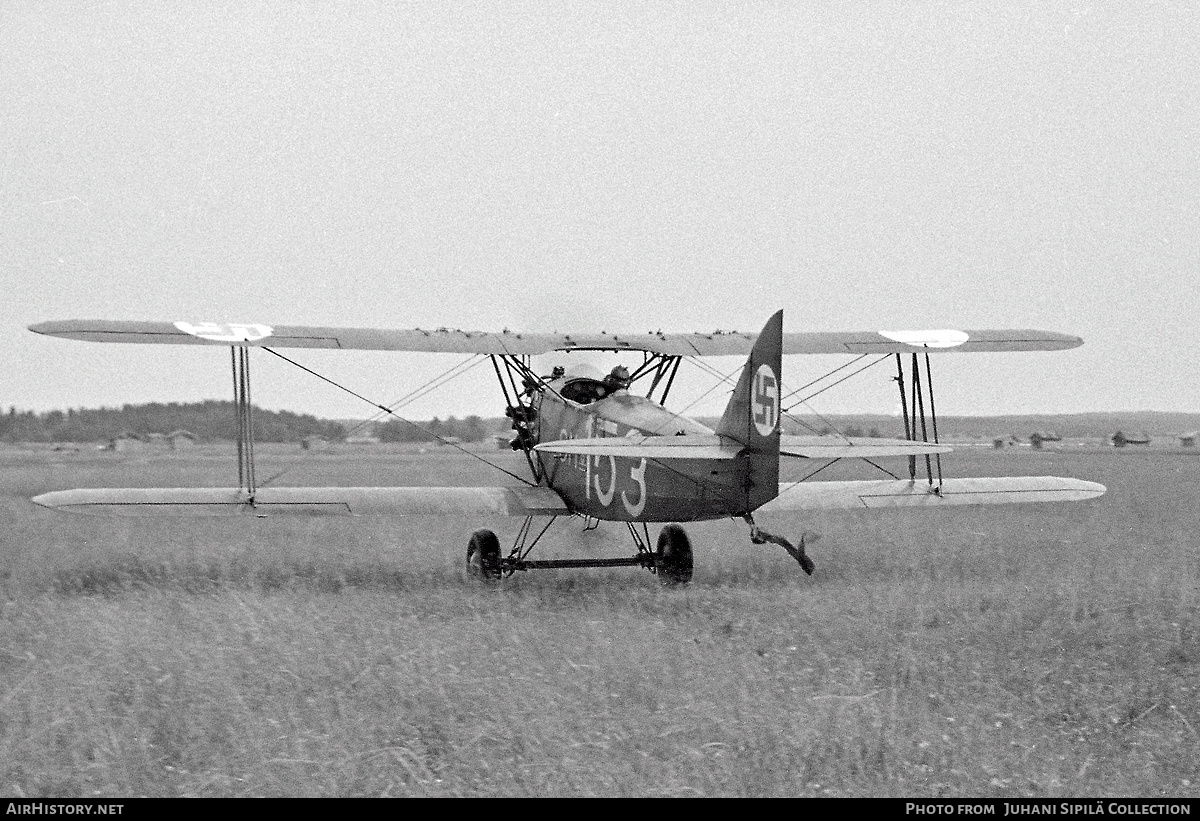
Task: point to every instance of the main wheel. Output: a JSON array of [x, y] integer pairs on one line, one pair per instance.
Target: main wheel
[[673, 559], [483, 555]]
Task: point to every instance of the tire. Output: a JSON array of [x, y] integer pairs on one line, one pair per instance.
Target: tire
[[483, 555], [673, 559]]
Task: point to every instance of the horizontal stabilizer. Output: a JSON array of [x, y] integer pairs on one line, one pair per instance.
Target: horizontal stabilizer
[[448, 340], [644, 447], [715, 447], [837, 447], [904, 493], [308, 501]]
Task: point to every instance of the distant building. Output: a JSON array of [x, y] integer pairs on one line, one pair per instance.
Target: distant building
[[1135, 437], [1038, 437], [361, 439], [181, 439], [124, 441]]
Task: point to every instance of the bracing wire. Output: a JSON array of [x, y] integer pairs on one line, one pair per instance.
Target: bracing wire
[[805, 399], [723, 379], [823, 376], [388, 411], [711, 371], [422, 390], [808, 476]]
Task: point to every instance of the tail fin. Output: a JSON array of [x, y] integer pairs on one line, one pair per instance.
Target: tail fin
[[752, 416]]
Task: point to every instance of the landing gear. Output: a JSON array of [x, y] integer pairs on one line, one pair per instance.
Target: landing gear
[[673, 558], [672, 561], [483, 555]]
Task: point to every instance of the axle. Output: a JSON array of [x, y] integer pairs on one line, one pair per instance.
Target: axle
[[640, 560]]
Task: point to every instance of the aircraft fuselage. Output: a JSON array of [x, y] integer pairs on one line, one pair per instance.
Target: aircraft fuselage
[[634, 489]]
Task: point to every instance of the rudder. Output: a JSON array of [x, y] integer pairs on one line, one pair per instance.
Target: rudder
[[752, 416]]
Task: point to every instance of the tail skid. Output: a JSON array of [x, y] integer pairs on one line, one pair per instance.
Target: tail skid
[[760, 536]]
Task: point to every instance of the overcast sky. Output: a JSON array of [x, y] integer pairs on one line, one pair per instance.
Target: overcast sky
[[602, 166]]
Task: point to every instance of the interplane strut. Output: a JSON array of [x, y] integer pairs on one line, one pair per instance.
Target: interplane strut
[[916, 396], [240, 357]]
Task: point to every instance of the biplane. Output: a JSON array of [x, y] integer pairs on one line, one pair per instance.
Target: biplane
[[596, 449]]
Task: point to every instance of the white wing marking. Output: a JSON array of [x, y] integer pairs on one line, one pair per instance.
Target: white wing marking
[[927, 339], [229, 332]]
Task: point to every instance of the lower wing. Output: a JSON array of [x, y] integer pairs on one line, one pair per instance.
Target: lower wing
[[539, 501], [308, 501], [905, 493]]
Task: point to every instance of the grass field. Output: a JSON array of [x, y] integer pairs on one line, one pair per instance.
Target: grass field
[[1043, 650]]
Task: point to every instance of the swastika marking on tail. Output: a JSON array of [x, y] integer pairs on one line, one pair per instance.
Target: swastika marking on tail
[[765, 402]]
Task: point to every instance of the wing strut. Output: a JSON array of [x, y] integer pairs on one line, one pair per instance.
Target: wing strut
[[928, 422], [240, 357], [660, 365]]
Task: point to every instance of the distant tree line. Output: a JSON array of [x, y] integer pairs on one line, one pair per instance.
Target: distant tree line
[[207, 420], [471, 429]]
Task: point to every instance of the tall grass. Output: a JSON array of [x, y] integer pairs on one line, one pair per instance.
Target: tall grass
[[1024, 651]]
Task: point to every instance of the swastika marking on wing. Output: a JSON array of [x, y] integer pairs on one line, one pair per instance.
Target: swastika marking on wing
[[927, 339], [228, 332]]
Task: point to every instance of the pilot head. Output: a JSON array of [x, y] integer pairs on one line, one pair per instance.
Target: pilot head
[[617, 379]]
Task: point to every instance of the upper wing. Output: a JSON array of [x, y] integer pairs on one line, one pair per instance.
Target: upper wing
[[444, 340], [905, 493], [928, 341], [308, 501]]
